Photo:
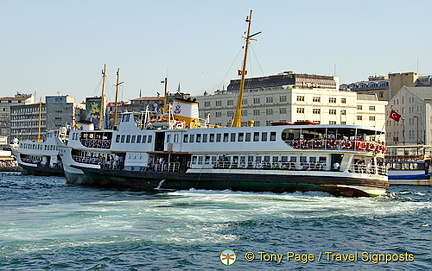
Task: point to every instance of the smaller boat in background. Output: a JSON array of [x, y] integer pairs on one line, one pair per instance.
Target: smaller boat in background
[[409, 169], [40, 157]]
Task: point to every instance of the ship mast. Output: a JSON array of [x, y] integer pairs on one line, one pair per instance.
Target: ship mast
[[165, 82], [39, 121], [116, 97], [238, 112], [102, 98]]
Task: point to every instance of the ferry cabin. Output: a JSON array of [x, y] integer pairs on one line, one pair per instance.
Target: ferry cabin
[[343, 148]]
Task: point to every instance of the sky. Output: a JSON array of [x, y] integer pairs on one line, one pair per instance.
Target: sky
[[59, 47]]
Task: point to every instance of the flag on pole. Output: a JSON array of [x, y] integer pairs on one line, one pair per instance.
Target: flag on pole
[[394, 115], [240, 72]]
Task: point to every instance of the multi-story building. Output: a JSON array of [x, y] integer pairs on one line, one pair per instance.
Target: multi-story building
[[5, 114], [286, 97], [27, 119], [378, 85], [414, 104]]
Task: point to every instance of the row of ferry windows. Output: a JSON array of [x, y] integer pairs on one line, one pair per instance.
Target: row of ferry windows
[[134, 138], [38, 147], [229, 137], [211, 159]]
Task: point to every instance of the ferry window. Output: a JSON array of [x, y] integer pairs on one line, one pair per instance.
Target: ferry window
[[284, 158], [149, 139], [275, 159], [323, 159], [312, 159], [248, 137], [256, 136], [264, 136], [138, 140], [198, 138], [194, 160], [272, 136], [168, 138], [211, 138], [204, 138], [213, 160], [176, 138], [185, 138], [200, 160], [207, 160], [240, 137], [122, 139], [144, 139], [133, 139], [225, 137], [233, 136], [191, 138], [128, 138], [258, 159], [266, 158], [218, 137], [250, 160], [303, 159]]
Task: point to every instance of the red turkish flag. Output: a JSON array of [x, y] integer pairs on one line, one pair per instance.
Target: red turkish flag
[[394, 115], [240, 72]]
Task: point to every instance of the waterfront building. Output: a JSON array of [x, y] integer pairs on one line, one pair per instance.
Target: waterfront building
[[378, 85], [5, 114], [414, 128], [289, 97], [56, 112]]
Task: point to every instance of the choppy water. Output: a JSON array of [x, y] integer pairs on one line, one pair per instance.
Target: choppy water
[[47, 224]]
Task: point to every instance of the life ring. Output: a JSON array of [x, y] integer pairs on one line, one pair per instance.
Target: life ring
[[346, 144], [305, 144], [371, 147], [331, 144], [384, 149], [295, 144], [318, 143]]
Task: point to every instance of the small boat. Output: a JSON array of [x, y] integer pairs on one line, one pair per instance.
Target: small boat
[[409, 170], [277, 123]]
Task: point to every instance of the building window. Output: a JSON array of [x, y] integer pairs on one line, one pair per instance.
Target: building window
[[316, 99], [343, 112], [332, 122], [230, 113], [300, 98], [218, 103], [244, 113], [256, 100], [343, 100], [244, 101], [372, 108], [218, 114], [316, 111], [300, 110], [359, 107], [282, 99], [332, 111], [332, 100], [372, 118], [269, 99], [256, 112], [206, 104], [282, 110], [359, 118], [230, 102], [269, 111]]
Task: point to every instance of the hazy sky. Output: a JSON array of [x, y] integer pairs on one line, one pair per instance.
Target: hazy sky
[[59, 47]]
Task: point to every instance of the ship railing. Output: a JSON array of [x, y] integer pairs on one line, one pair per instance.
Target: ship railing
[[338, 144], [368, 169], [266, 165], [167, 167]]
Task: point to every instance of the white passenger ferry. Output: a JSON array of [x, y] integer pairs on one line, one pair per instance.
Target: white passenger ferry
[[40, 157], [343, 160]]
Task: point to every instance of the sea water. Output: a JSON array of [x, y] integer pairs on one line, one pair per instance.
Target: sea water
[[47, 224]]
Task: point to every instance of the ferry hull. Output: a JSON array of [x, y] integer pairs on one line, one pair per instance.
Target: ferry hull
[[41, 170], [151, 181]]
